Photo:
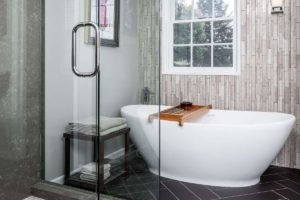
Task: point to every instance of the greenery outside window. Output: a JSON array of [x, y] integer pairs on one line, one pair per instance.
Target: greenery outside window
[[200, 37]]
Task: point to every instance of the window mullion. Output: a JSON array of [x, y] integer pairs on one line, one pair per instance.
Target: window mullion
[[192, 28], [191, 45], [212, 34]]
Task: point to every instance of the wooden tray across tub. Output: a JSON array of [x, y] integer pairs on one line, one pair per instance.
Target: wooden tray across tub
[[181, 115]]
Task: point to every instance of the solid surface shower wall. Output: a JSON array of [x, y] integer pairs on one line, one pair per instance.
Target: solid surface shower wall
[[20, 96]]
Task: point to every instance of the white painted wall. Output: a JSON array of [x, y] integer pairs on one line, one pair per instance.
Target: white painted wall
[[68, 98]]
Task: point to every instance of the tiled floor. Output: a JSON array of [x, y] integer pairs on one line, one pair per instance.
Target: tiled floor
[[276, 183], [33, 198]]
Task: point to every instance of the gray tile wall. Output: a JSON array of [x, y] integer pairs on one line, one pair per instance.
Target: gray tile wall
[[295, 69], [148, 33], [270, 68], [3, 17], [270, 59], [20, 96]]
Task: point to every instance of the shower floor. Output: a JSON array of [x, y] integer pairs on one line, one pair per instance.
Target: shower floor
[[276, 183]]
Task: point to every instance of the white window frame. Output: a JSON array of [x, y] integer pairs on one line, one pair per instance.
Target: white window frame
[[168, 13]]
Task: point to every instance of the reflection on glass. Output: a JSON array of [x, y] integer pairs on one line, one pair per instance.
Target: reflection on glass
[[182, 56], [201, 32], [224, 8], [202, 9], [183, 9], [223, 56], [202, 56], [182, 33], [223, 31]]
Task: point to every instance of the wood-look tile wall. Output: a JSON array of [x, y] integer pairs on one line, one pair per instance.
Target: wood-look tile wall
[[295, 73], [270, 59], [148, 31], [270, 68]]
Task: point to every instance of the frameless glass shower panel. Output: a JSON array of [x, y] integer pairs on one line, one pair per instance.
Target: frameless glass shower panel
[[129, 94], [71, 95]]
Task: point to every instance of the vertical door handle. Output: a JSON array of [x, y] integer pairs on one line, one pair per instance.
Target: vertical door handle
[[74, 50]]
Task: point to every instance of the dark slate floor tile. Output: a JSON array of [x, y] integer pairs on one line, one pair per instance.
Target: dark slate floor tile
[[115, 183], [136, 188], [132, 180], [126, 196], [290, 184], [293, 170], [271, 178], [213, 188], [289, 194], [141, 184], [248, 190], [180, 190], [154, 186], [117, 190], [276, 170], [292, 176], [164, 179], [201, 191], [143, 196], [145, 174], [155, 193], [257, 196], [149, 179], [166, 195]]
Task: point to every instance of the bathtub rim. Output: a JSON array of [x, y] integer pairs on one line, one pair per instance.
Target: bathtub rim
[[290, 117]]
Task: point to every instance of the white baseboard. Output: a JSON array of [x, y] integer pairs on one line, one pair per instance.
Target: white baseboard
[[114, 155]]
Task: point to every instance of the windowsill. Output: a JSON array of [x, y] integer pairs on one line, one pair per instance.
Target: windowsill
[[220, 71]]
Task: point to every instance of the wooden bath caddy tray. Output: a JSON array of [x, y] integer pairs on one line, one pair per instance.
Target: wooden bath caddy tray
[[181, 115]]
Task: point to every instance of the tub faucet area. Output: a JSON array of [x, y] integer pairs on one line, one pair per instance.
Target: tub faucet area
[[147, 94]]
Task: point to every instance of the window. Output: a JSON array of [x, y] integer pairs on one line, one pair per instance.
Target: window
[[200, 37]]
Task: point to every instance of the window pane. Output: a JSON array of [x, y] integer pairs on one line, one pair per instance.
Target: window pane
[[182, 56], [183, 9], [223, 31], [202, 56], [223, 56], [203, 9], [224, 8], [201, 32], [182, 33]]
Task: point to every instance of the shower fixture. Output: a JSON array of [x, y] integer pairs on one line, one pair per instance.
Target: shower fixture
[[146, 95]]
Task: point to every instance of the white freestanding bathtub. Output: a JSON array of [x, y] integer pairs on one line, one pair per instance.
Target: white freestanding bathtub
[[223, 148]]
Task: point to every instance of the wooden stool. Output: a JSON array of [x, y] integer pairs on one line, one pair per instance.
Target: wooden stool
[[74, 180]]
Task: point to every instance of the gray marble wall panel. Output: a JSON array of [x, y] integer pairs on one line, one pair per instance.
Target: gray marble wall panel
[[20, 96], [269, 80], [3, 17]]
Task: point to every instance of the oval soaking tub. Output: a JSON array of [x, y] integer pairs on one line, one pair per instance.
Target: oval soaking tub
[[223, 148]]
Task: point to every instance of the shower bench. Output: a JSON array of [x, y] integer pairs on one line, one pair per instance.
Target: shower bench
[[74, 179]]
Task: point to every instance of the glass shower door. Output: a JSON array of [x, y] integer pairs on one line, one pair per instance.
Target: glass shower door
[[129, 94], [98, 136], [71, 95]]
